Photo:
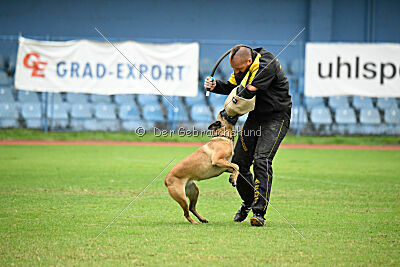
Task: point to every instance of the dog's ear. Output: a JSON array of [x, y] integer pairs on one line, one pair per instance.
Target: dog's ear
[[215, 125]]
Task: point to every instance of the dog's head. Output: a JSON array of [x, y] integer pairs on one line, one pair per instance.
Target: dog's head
[[223, 123]]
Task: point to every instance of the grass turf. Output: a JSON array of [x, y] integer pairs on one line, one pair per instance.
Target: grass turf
[[56, 199], [27, 134]]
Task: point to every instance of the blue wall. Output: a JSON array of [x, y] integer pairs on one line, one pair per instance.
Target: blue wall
[[325, 20]]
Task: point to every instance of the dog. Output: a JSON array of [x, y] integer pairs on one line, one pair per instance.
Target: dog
[[210, 160]]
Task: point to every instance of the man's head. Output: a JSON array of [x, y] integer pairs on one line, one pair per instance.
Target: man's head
[[240, 58]]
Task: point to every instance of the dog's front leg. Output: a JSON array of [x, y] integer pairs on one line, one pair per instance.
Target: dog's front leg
[[232, 167], [234, 175]]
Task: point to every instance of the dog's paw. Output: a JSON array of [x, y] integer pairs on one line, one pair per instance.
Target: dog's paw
[[232, 181], [204, 220]]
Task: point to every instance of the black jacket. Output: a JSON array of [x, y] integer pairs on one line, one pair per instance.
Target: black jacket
[[267, 75]]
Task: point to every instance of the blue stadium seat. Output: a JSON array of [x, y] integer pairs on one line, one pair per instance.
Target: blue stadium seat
[[106, 118], [297, 66], [4, 78], [298, 117], [336, 102], [132, 125], [153, 113], [321, 115], [75, 98], [392, 115], [197, 100], [217, 109], [384, 103], [129, 112], [242, 119], [59, 114], [179, 115], [124, 99], [147, 100], [205, 66], [216, 99], [99, 98], [8, 115], [57, 98], [6, 95], [79, 114], [360, 102], [370, 116], [370, 122], [346, 121], [201, 113], [345, 116], [105, 112], [313, 102], [27, 96], [171, 99], [2, 62], [12, 62], [32, 114]]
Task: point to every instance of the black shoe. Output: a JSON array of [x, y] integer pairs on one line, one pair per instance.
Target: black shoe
[[257, 220], [242, 213]]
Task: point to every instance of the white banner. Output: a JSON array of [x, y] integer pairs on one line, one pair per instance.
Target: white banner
[[98, 68], [335, 69]]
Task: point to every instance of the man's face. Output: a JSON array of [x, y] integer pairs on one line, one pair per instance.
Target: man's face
[[240, 65]]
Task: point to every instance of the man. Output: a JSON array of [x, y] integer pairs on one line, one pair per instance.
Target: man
[[257, 72]]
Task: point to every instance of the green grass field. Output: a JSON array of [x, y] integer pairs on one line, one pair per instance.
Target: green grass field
[[56, 199]]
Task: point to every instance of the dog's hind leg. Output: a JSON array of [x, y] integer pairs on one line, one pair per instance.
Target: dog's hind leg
[[192, 192], [176, 189]]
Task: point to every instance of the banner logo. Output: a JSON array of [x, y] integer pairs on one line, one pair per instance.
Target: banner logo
[[32, 61]]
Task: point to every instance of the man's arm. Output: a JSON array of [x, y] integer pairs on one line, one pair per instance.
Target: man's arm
[[218, 87], [223, 88]]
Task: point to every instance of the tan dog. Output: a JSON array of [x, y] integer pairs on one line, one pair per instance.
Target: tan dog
[[208, 161]]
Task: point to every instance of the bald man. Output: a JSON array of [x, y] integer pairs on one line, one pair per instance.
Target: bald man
[[260, 75]]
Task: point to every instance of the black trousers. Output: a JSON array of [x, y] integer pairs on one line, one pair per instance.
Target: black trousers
[[257, 145]]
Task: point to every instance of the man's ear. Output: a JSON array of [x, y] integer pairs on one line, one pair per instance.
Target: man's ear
[[215, 125]]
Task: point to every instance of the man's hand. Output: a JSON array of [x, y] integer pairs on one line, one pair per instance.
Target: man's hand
[[210, 83]]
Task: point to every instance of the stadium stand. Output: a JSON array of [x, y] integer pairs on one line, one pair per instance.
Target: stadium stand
[[8, 115], [106, 117], [124, 99], [153, 113], [74, 98], [201, 113], [27, 96], [56, 97], [4, 78], [346, 121], [360, 102], [322, 119], [313, 102], [197, 100], [32, 114], [59, 115], [370, 121], [335, 102], [392, 120], [216, 99], [298, 117], [147, 100], [6, 95], [79, 114], [100, 98], [384, 103], [179, 115]]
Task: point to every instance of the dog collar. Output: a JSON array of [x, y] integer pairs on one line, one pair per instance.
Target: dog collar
[[230, 138]]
